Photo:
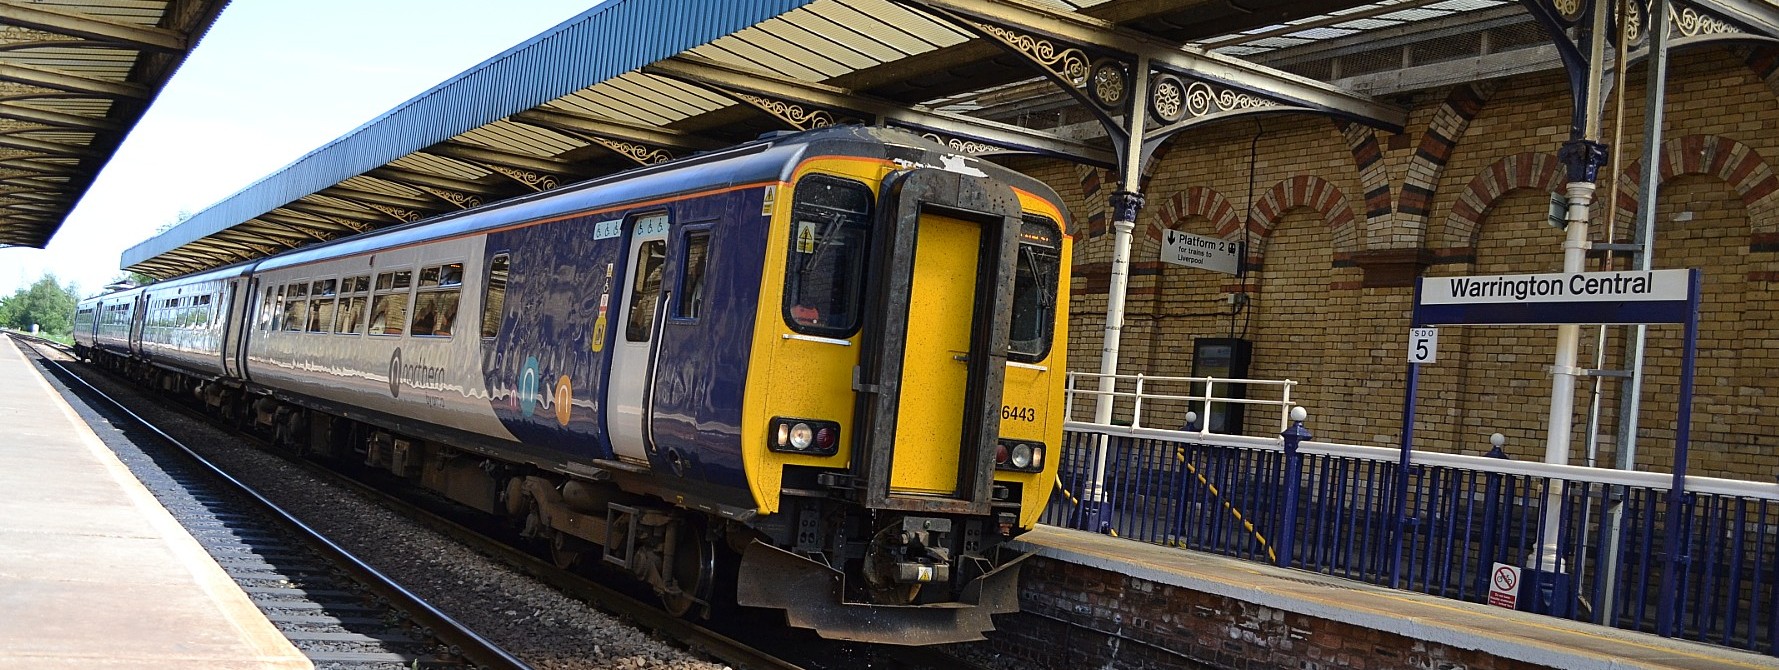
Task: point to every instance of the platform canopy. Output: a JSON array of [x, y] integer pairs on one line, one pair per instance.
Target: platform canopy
[[75, 76], [634, 82]]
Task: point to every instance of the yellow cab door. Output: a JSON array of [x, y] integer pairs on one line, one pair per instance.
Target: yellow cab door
[[935, 362]]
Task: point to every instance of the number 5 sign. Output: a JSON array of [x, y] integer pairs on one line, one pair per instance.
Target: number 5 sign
[[1423, 345]]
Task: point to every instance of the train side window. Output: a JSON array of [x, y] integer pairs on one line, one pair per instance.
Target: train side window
[[296, 306], [322, 301], [830, 235], [645, 290], [350, 319], [696, 259], [1035, 290], [435, 301], [389, 306], [496, 297], [274, 309]]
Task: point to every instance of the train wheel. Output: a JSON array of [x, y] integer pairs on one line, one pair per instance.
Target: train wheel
[[564, 552], [694, 570]]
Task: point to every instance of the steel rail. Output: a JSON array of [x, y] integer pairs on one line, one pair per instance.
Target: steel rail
[[463, 641]]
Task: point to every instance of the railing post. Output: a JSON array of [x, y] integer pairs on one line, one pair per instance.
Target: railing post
[[1294, 436], [1491, 515]]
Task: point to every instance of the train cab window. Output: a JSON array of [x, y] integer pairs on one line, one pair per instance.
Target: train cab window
[[296, 306], [690, 302], [435, 300], [354, 291], [1035, 290], [322, 300], [389, 306], [645, 290], [495, 299], [830, 235]]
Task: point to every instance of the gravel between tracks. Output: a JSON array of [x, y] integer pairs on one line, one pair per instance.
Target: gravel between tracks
[[529, 619]]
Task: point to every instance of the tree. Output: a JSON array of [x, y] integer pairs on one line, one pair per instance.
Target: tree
[[46, 303]]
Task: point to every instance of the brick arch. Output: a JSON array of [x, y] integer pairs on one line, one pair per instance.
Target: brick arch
[[1522, 170], [1093, 197], [1301, 191], [1735, 163], [1195, 201], [1410, 207]]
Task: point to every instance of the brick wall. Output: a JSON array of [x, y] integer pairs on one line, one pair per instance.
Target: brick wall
[[1074, 616], [1468, 183]]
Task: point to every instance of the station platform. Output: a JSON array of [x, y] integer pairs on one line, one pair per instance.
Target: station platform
[[94, 573], [1509, 638]]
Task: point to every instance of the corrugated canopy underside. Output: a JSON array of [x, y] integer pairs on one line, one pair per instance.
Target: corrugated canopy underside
[[633, 82], [75, 76]]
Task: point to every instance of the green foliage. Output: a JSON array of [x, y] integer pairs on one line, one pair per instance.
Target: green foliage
[[46, 303]]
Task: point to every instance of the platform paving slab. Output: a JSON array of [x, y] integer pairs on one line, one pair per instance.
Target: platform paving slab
[[94, 573]]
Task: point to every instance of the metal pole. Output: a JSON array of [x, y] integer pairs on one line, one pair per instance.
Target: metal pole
[[1630, 398], [1675, 558], [1125, 202], [1411, 386], [1294, 437]]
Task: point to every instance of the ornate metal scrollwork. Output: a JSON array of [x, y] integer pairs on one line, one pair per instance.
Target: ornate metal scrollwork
[[537, 181], [1167, 98], [355, 225], [1068, 63], [1631, 21], [1109, 85], [789, 112], [637, 152], [398, 213], [960, 145], [1693, 23], [1569, 10], [463, 200], [1202, 99]]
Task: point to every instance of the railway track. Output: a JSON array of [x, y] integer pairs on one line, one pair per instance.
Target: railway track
[[776, 647]]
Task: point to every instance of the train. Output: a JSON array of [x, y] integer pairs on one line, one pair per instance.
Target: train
[[823, 369]]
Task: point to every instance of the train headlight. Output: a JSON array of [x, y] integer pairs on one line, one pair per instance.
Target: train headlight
[[804, 436], [1019, 456]]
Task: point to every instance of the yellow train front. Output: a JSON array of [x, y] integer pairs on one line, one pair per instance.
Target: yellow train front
[[903, 418]]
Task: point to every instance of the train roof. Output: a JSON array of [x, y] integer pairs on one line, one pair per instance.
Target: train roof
[[772, 158]]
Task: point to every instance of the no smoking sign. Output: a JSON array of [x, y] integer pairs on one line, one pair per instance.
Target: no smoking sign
[[1504, 586]]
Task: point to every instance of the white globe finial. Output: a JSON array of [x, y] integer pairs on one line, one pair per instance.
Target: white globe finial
[[1298, 413], [1191, 418], [1497, 439]]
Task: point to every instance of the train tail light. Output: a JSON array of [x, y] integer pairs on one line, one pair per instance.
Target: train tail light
[[804, 436], [1019, 456]]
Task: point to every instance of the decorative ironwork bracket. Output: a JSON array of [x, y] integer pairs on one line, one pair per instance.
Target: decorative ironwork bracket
[[458, 198], [636, 151], [792, 113], [401, 214], [534, 180]]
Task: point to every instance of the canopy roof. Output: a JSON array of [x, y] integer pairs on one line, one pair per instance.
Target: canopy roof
[[633, 82], [75, 75]]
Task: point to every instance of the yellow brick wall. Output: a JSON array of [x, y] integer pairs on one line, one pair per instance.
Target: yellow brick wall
[[1310, 321]]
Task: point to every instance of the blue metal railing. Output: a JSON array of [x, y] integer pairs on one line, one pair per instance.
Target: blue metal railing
[[1592, 542]]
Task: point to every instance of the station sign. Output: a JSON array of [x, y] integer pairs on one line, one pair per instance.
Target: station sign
[[1631, 297], [1198, 251]]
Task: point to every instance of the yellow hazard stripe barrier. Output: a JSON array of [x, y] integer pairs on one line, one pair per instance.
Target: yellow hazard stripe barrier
[[1180, 454]]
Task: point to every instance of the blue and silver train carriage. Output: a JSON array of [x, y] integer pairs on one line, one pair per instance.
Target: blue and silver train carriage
[[829, 362]]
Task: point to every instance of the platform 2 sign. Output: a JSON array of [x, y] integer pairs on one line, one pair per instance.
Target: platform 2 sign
[[1198, 251], [1504, 586], [1632, 297]]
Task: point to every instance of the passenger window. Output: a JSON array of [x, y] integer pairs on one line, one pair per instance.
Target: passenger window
[[321, 306], [830, 235], [350, 318], [645, 290], [389, 307], [296, 306], [496, 297], [435, 303], [690, 302], [1035, 290]]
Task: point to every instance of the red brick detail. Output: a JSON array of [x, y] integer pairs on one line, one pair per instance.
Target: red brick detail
[[1765, 276], [1737, 164], [1196, 201], [1306, 191], [1524, 170], [1345, 285]]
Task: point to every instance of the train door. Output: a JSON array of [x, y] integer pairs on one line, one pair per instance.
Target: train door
[[226, 316], [936, 338], [627, 389], [138, 322]]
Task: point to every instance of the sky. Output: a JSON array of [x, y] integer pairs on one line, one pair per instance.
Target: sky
[[271, 81]]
